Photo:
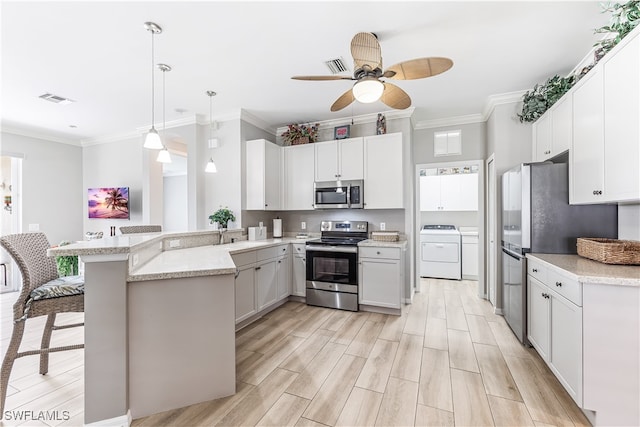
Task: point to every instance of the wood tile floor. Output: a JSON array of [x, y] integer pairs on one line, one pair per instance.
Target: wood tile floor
[[448, 360]]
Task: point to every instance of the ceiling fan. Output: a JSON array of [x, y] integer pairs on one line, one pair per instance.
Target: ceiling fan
[[367, 58]]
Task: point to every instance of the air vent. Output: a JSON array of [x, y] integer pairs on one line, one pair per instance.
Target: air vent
[[336, 66], [56, 99]]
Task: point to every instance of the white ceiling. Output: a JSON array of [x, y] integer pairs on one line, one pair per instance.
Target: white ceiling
[[98, 53]]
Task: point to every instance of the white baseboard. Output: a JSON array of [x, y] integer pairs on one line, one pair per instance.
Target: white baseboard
[[121, 421], [498, 311]]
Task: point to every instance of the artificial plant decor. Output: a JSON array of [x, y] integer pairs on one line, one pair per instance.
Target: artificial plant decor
[[67, 264], [300, 134], [222, 216], [624, 18], [539, 99]]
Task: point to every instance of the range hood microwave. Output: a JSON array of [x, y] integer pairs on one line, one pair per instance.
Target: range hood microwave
[[338, 195]]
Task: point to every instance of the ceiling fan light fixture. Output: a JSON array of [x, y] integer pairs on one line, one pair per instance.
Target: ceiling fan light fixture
[[368, 90]]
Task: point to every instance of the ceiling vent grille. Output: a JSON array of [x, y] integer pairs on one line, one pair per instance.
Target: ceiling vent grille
[[336, 66], [56, 99]]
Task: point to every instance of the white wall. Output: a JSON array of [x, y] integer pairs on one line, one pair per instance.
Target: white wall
[[51, 184], [175, 215], [115, 164], [5, 178]]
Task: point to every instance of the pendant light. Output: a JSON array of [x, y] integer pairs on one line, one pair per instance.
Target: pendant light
[[152, 140], [211, 166], [163, 155]]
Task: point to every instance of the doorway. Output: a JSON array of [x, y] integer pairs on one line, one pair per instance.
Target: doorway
[[10, 217], [174, 183]]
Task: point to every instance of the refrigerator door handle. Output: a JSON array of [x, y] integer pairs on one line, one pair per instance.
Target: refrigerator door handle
[[513, 255]]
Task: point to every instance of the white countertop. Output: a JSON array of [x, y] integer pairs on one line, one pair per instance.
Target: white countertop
[[377, 243], [587, 271]]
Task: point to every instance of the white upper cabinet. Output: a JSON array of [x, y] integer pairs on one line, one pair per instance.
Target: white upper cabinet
[[454, 192], [263, 175], [298, 177], [552, 133], [341, 159], [622, 124], [605, 155], [383, 172]]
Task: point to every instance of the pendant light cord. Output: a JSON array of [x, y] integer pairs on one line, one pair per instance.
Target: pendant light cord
[[210, 116], [153, 99], [164, 109]]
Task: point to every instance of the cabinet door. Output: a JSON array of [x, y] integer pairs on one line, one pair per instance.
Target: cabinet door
[[565, 356], [450, 192], [587, 154], [380, 282], [561, 126], [621, 124], [470, 257], [255, 169], [468, 192], [299, 177], [538, 317], [283, 273], [245, 293], [430, 193], [272, 176], [351, 156], [299, 276], [266, 284], [542, 137], [326, 161], [383, 172]]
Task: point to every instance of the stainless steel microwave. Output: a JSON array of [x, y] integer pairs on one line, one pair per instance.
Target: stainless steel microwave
[[338, 195]]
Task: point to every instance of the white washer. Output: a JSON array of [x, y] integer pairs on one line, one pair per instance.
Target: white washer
[[440, 252]]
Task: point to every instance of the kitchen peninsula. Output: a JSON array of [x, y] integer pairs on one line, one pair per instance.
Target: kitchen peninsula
[[159, 321]]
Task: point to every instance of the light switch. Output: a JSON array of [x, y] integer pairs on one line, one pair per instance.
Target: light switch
[[383, 226], [303, 225]]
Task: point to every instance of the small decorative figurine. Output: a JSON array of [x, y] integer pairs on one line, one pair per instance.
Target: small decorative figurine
[[381, 125]]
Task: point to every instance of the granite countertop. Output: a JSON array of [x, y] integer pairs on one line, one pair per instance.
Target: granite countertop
[[380, 244], [587, 271]]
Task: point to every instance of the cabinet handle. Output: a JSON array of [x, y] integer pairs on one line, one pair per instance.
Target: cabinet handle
[[597, 192], [558, 284], [237, 273], [280, 262], [535, 270], [547, 152], [258, 268]]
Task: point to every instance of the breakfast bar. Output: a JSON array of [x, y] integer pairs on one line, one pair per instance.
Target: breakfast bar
[[159, 322]]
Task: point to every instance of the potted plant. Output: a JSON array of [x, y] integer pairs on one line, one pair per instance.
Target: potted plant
[[624, 18], [300, 134], [67, 264], [222, 216], [539, 99]]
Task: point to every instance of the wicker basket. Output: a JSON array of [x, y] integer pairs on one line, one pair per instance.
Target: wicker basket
[[385, 236], [610, 251]]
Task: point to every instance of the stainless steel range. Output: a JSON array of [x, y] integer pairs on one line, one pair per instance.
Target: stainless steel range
[[332, 265]]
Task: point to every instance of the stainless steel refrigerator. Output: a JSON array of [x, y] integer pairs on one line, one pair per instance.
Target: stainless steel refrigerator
[[537, 218]]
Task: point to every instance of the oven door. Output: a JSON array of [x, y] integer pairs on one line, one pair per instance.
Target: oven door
[[332, 277]]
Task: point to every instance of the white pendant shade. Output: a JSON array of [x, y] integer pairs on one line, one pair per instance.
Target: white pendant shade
[[152, 140], [368, 90], [164, 156], [211, 167]]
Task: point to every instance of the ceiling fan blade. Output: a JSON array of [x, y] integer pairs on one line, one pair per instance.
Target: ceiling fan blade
[[344, 100], [365, 50], [420, 68], [322, 78], [395, 97]]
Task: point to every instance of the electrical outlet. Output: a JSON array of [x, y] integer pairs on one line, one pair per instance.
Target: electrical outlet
[[34, 227], [174, 243], [303, 225], [383, 226]]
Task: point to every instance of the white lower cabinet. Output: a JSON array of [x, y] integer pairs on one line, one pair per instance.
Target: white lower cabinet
[[381, 276], [245, 293], [299, 276], [555, 325], [283, 276], [266, 284]]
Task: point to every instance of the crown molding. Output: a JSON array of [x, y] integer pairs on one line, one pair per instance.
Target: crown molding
[[449, 121], [256, 121], [32, 133], [499, 99], [185, 121]]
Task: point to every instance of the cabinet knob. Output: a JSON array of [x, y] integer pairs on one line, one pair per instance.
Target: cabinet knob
[[280, 262], [258, 268], [535, 270], [284, 249], [378, 253], [558, 284]]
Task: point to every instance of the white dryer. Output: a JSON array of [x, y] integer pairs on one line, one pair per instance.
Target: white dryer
[[440, 252]]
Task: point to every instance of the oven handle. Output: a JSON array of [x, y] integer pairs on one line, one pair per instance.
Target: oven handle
[[346, 249]]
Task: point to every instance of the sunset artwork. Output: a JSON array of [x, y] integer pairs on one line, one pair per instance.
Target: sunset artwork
[[108, 202]]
